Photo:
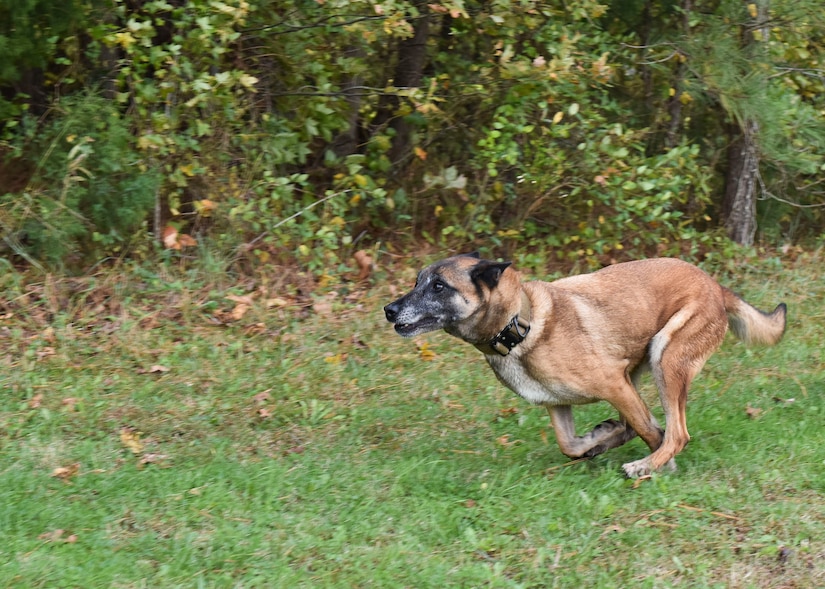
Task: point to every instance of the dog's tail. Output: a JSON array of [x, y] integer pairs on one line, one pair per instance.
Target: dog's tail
[[751, 325]]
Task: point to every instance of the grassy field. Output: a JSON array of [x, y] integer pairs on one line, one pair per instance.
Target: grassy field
[[155, 433]]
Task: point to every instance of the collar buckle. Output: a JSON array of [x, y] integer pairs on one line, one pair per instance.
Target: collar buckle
[[511, 336]]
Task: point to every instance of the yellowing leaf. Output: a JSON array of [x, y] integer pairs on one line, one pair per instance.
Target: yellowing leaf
[[205, 207], [425, 353], [558, 117], [125, 40], [753, 10], [420, 153], [247, 81], [131, 440]]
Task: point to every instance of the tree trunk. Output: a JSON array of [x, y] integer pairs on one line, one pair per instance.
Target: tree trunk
[[412, 57], [739, 206]]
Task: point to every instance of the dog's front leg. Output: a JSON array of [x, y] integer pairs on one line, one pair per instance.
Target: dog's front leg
[[606, 435]]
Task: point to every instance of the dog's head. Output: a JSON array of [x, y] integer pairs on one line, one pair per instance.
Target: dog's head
[[466, 296]]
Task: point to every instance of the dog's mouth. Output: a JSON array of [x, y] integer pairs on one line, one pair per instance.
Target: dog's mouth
[[410, 329]]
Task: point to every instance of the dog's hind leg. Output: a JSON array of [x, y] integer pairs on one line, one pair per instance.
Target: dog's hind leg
[[606, 435], [677, 354]]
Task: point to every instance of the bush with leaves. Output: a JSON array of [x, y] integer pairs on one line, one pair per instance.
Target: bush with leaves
[[90, 192]]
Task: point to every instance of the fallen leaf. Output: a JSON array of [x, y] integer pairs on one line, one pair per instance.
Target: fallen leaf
[[264, 413], [255, 329], [48, 335], [131, 440], [323, 308], [158, 369], [169, 237], [753, 412], [185, 240], [64, 473], [425, 353], [262, 397], [36, 401], [276, 302], [150, 458], [173, 240], [52, 536], [239, 311], [242, 299], [364, 261], [45, 352], [69, 403]]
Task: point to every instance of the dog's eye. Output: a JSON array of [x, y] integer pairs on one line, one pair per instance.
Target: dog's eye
[[438, 286]]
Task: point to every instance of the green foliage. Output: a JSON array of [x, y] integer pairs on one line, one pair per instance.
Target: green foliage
[[299, 131], [90, 191]]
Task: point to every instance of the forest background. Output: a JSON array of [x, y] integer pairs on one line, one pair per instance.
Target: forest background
[[299, 132]]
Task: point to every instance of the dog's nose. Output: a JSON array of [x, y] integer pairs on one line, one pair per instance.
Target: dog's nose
[[391, 311]]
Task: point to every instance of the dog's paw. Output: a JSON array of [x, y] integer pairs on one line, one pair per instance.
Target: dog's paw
[[639, 468], [643, 467]]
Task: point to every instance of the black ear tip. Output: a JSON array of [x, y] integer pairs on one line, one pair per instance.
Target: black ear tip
[[474, 254]]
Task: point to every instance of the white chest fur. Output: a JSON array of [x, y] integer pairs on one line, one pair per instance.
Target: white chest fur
[[511, 372]]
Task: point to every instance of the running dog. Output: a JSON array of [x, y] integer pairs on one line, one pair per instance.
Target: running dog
[[589, 338]]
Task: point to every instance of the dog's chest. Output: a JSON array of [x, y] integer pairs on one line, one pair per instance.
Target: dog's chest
[[512, 373]]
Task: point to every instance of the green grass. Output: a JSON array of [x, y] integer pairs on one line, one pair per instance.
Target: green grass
[[293, 449]]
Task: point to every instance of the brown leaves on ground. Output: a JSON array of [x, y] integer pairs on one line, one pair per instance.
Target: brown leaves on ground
[[131, 440], [65, 473], [260, 399], [174, 240], [154, 369], [58, 536]]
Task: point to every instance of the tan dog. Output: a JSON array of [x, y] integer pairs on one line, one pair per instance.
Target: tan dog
[[588, 338]]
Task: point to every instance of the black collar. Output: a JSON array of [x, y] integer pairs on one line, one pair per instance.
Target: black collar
[[514, 332]]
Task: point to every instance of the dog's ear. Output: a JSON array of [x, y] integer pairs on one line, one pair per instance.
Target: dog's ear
[[475, 255], [488, 272]]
